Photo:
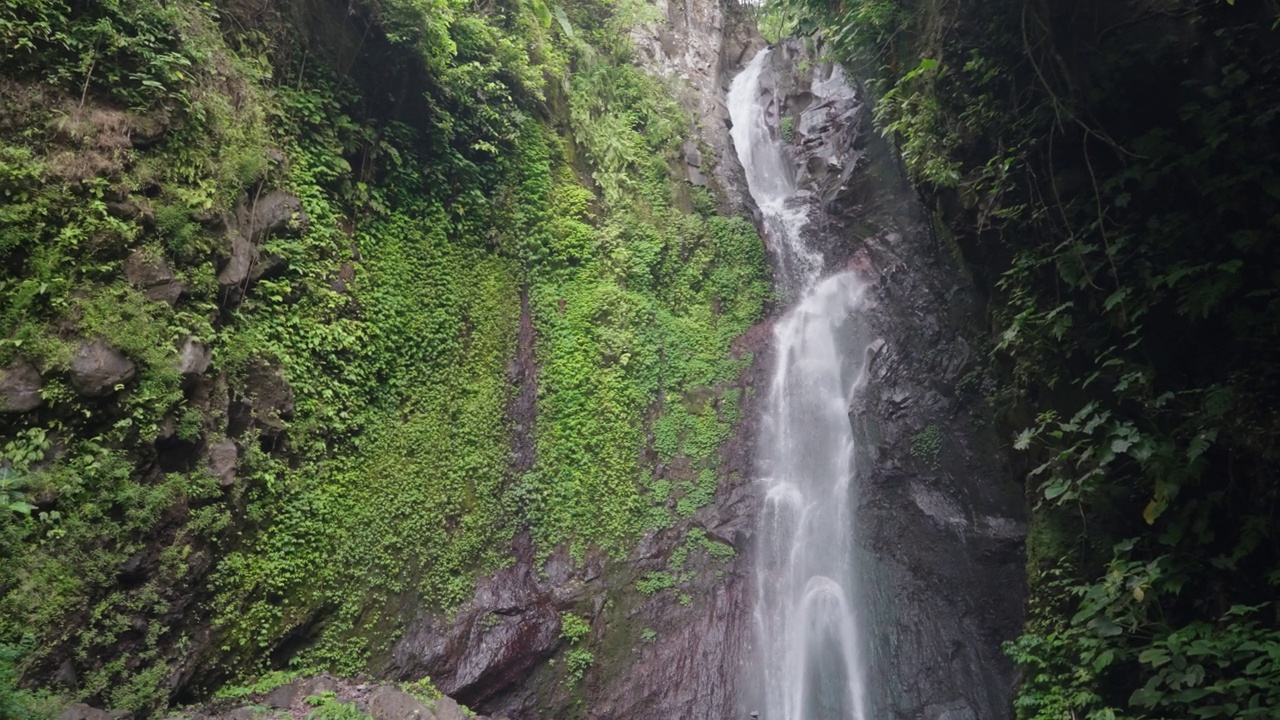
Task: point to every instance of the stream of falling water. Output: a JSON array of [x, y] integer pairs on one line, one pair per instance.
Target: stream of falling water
[[808, 636]]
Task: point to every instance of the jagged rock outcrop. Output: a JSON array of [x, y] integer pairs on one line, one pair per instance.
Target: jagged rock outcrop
[[222, 461], [699, 46], [193, 358], [273, 213], [96, 368], [511, 624]]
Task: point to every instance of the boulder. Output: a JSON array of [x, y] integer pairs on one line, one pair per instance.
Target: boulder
[[446, 708], [222, 461], [166, 292], [97, 368], [391, 703], [20, 385], [317, 686], [293, 693], [243, 254], [148, 271], [144, 268], [275, 213], [283, 697], [80, 711], [269, 396], [193, 357]]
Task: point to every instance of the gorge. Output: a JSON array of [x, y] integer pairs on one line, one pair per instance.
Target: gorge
[[638, 359]]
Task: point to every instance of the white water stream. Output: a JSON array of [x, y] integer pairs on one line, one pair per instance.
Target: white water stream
[[808, 641]]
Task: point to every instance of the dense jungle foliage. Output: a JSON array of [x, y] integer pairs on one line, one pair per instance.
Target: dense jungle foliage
[[1111, 173], [462, 170]]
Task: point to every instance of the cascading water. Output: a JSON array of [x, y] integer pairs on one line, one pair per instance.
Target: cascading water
[[808, 637]]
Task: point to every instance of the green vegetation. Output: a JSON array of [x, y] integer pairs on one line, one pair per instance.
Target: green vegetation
[[926, 445], [676, 575], [1107, 169], [382, 481], [578, 659], [329, 707]]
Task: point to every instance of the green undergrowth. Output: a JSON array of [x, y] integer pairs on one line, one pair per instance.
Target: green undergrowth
[[131, 126]]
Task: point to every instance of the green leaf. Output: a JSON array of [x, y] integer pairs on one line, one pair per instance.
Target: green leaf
[[1146, 697], [1155, 657], [1104, 627], [1023, 441], [1055, 488]]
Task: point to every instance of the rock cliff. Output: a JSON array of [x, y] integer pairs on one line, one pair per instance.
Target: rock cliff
[[940, 519]]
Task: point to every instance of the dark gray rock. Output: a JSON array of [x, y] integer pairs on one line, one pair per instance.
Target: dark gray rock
[[446, 708], [144, 268], [148, 271], [242, 255], [66, 677], [168, 293], [293, 694], [20, 385], [390, 703], [318, 685], [346, 274], [511, 624], [283, 697], [132, 569], [96, 368], [269, 398], [273, 213], [125, 209], [222, 461], [80, 711], [193, 357]]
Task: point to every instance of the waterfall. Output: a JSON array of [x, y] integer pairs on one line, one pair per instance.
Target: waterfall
[[809, 646]]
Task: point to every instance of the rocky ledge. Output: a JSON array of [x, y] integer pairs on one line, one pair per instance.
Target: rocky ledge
[[322, 696]]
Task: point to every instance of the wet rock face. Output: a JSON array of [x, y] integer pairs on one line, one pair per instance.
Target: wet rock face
[[20, 385], [940, 518], [96, 368]]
